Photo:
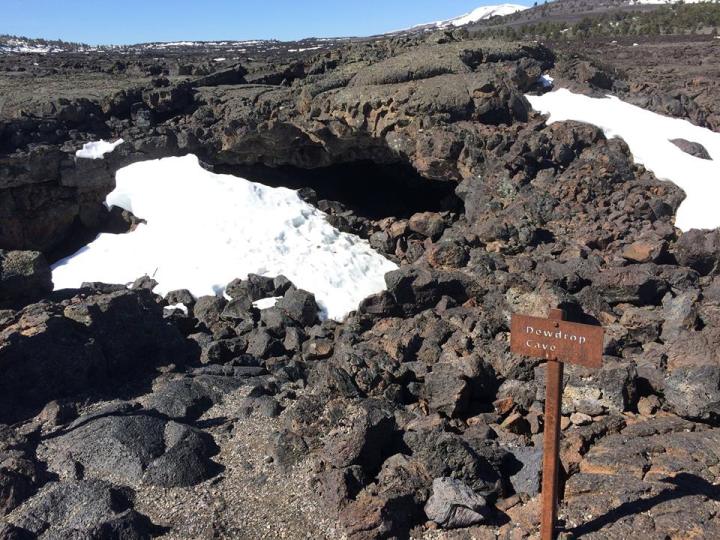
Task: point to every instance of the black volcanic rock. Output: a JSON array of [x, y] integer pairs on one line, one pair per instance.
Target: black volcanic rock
[[700, 250], [186, 399], [692, 148], [92, 508], [24, 275], [54, 349], [134, 449], [300, 306], [21, 475]]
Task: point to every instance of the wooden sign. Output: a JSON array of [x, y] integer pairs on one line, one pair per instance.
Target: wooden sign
[[558, 341]]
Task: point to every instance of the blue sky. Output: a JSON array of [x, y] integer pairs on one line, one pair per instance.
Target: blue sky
[[135, 21]]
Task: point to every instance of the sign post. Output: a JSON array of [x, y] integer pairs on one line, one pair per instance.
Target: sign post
[[557, 341]]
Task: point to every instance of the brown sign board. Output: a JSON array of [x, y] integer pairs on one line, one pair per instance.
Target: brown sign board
[[557, 340]]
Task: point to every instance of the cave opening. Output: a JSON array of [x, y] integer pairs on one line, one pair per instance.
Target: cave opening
[[370, 190]]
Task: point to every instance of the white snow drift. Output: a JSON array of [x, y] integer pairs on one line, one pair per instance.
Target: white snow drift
[[205, 229], [648, 135], [97, 149]]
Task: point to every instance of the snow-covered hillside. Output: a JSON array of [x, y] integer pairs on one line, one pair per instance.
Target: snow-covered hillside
[[479, 14], [19, 45]]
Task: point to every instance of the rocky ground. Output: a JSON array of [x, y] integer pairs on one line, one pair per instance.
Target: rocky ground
[[124, 418], [672, 75]]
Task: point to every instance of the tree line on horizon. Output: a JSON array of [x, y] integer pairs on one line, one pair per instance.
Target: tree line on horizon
[[676, 19]]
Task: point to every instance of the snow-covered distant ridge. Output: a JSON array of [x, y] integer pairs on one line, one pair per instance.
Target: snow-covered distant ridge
[[19, 45], [14, 44], [478, 14], [22, 46]]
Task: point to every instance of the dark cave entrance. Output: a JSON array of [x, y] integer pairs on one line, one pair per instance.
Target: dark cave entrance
[[370, 190]]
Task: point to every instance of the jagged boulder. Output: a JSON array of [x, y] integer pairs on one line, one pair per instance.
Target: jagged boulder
[[88, 340], [453, 504]]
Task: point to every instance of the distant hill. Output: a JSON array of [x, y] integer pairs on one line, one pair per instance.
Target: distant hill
[[570, 19], [572, 11]]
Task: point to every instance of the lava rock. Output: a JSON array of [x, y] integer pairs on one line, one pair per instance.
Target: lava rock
[[87, 509], [692, 380], [448, 254], [262, 344], [20, 474], [644, 251], [428, 224], [52, 350], [239, 309], [24, 275], [692, 148], [364, 436], [57, 413], [612, 388], [180, 296], [454, 505], [527, 479], [445, 454], [253, 288], [700, 250], [220, 351], [134, 449], [447, 390], [187, 399], [338, 487], [144, 282], [289, 448], [382, 304], [300, 306], [263, 406], [641, 285], [209, 309]]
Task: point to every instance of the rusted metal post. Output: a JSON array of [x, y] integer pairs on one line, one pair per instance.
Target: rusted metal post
[[551, 452]]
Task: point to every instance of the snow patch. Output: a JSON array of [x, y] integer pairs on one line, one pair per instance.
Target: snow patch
[[305, 49], [97, 149], [648, 136], [265, 303], [204, 229], [169, 309]]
